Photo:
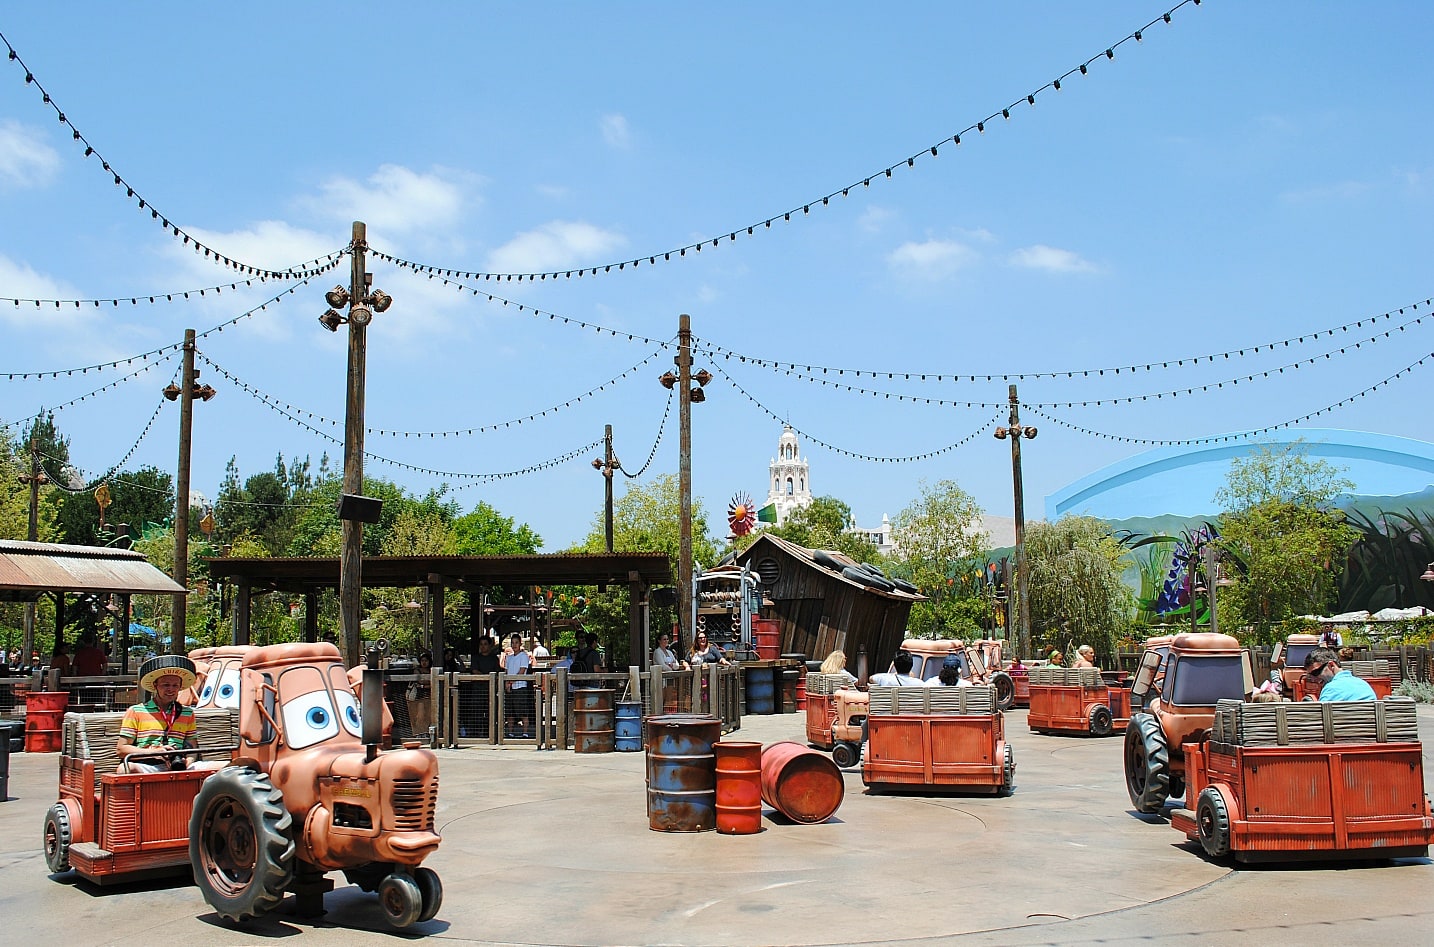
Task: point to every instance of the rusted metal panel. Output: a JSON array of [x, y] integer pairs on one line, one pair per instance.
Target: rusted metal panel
[[55, 567]]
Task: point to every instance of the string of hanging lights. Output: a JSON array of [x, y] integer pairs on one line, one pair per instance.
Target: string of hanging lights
[[1241, 435], [209, 253], [910, 458], [327, 261], [90, 394], [96, 481], [804, 209], [462, 432], [661, 426], [715, 351]]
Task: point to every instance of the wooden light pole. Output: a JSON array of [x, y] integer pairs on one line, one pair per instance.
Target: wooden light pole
[[1015, 432]]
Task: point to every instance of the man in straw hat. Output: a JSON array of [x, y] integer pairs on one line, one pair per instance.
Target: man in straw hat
[[161, 723]]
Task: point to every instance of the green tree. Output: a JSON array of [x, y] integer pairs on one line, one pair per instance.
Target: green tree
[[938, 537], [1075, 585], [486, 532], [1281, 525], [824, 524], [140, 497]]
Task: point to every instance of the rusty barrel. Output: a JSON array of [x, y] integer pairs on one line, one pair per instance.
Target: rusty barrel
[[629, 726], [791, 678], [44, 711], [802, 784], [802, 693], [593, 723], [761, 694], [766, 638], [682, 772], [739, 788]]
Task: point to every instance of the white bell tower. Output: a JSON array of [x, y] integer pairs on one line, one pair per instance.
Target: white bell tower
[[789, 486]]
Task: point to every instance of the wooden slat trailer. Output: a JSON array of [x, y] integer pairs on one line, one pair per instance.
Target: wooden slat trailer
[[937, 738], [1076, 700]]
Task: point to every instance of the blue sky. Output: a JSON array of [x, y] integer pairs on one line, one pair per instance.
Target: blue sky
[[1249, 173]]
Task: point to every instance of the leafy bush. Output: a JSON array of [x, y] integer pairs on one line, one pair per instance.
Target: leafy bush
[[1420, 690]]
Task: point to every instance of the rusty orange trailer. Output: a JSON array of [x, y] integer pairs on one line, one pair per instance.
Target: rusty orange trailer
[[1341, 800], [947, 738], [1077, 700]]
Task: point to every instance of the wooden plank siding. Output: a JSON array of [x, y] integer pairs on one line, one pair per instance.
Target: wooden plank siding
[[819, 611]]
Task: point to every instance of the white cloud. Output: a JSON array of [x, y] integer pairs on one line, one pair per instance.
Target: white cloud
[[874, 218], [25, 159], [397, 199], [22, 282], [930, 260], [556, 245], [615, 131], [1051, 259]]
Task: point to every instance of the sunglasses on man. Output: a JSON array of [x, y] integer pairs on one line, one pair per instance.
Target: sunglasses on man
[[1313, 673]]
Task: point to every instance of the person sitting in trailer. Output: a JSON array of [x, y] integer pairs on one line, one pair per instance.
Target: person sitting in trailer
[[160, 723], [1085, 657], [1322, 668], [835, 663], [899, 675], [950, 674]]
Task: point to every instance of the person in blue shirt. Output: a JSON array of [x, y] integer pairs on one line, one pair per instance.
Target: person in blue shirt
[[1322, 667]]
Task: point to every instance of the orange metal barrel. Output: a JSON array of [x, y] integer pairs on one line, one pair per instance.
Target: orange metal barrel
[[739, 788], [802, 784], [44, 711], [593, 722], [766, 638]]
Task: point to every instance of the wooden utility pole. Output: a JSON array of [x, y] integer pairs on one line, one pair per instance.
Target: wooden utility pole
[[178, 625], [351, 562], [609, 465], [1023, 605], [35, 478], [684, 476]]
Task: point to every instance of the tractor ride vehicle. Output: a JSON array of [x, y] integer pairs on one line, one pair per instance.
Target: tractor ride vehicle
[[977, 666], [1200, 669], [1307, 780], [1083, 701], [1020, 673], [309, 792], [937, 738], [1289, 657], [836, 716]]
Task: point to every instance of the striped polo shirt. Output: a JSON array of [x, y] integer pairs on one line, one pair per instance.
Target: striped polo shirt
[[146, 726]]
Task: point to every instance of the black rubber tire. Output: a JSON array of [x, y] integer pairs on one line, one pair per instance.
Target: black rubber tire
[[873, 569], [1212, 821], [1177, 786], [430, 888], [1005, 690], [1147, 763], [368, 877], [1101, 721], [241, 843], [1008, 771], [845, 754], [401, 899], [905, 586], [823, 558], [857, 574], [57, 838]]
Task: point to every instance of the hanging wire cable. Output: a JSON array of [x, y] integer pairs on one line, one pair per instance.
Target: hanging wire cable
[[716, 350], [328, 258], [59, 481], [910, 458], [1242, 435], [90, 394], [661, 426], [462, 432], [130, 193], [804, 209], [172, 347]]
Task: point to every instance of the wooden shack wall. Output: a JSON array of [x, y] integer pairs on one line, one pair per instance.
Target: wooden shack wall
[[819, 612]]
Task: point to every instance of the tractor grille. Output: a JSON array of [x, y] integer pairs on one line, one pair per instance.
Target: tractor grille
[[414, 804], [350, 816]]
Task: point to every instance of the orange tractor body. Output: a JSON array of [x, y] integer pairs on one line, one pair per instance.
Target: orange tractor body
[[937, 738], [1083, 701]]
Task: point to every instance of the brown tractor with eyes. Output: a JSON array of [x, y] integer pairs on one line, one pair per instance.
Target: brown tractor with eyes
[[309, 792]]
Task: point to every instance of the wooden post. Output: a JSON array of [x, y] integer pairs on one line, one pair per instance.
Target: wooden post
[[684, 477], [178, 624], [241, 611], [351, 560]]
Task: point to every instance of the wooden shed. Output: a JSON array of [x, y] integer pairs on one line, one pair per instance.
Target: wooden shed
[[820, 609]]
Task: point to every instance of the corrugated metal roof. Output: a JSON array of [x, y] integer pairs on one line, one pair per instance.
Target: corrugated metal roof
[[50, 567]]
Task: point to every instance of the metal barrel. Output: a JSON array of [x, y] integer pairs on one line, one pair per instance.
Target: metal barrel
[[802, 784], [760, 692], [629, 726], [739, 788], [791, 677], [44, 712], [766, 638], [592, 720], [802, 693], [681, 772]]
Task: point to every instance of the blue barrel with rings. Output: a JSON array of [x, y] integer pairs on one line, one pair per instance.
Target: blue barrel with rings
[[761, 694], [629, 726], [682, 772]]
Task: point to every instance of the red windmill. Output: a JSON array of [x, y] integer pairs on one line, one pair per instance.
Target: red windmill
[[741, 515]]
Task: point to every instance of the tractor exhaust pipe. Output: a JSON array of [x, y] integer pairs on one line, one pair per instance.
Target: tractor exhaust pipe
[[372, 707]]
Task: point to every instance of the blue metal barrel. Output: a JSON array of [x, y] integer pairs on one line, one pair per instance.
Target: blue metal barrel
[[760, 690], [682, 772], [629, 726]]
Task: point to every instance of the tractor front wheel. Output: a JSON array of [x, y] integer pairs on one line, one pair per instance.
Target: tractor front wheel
[[241, 843], [846, 754], [1005, 690], [1101, 722], [401, 899], [1212, 820], [431, 891], [1147, 763], [57, 838], [1008, 771]]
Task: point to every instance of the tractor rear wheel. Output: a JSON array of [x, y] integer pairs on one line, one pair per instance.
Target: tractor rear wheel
[[1212, 821], [401, 899], [241, 843], [845, 754], [1147, 763], [1008, 771], [57, 838], [1101, 722], [1005, 690]]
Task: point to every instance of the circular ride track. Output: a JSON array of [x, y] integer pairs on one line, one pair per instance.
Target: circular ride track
[[553, 848]]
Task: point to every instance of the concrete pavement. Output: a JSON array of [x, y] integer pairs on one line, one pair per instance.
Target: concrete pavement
[[553, 848]]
